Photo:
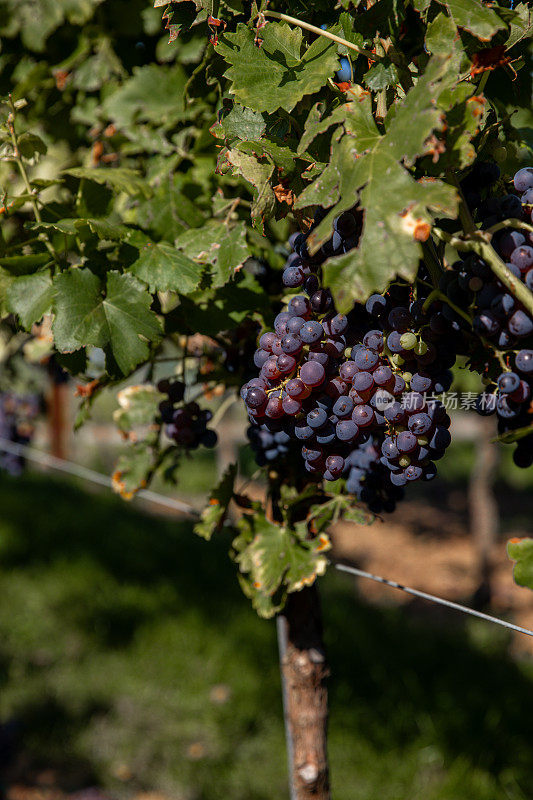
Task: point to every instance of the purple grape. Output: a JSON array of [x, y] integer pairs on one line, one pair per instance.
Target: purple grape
[[261, 357], [343, 406], [298, 306], [523, 257], [335, 465], [520, 324], [508, 242], [400, 319], [419, 424], [255, 397], [312, 373], [374, 340], [346, 430], [524, 358], [376, 305], [294, 325], [420, 382], [348, 370], [406, 442], [363, 383], [413, 472], [365, 358], [292, 277], [508, 382], [291, 344], [280, 323], [523, 180], [316, 418], [363, 416], [311, 332]]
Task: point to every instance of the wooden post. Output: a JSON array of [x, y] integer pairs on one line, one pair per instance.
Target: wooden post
[[304, 672], [57, 406], [484, 509]]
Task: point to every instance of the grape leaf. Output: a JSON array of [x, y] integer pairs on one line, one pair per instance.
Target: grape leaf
[[258, 174], [164, 268], [396, 214], [214, 513], [474, 17], [521, 551], [441, 34], [30, 297], [240, 123], [275, 75], [23, 265], [137, 406], [101, 227], [275, 556], [121, 319], [154, 93], [122, 179], [380, 76], [29, 145], [219, 245], [133, 470]]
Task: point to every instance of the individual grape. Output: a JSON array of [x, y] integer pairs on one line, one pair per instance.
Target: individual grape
[[420, 382], [523, 180], [398, 478], [420, 423], [255, 397], [508, 242], [413, 402], [298, 306], [376, 305], [294, 325], [365, 358], [326, 435], [394, 342], [343, 406], [303, 431], [486, 324], [292, 277], [407, 340], [274, 407], [520, 324], [176, 391], [523, 257], [374, 340], [510, 206], [311, 285], [267, 340], [413, 472], [317, 417], [290, 405], [363, 383], [321, 301], [271, 370], [524, 359], [338, 324], [348, 370], [286, 364], [291, 344], [335, 465], [395, 413], [508, 382], [296, 388], [345, 223], [521, 393], [346, 430], [312, 373], [441, 439], [400, 319], [363, 416], [311, 332], [406, 442], [344, 74], [280, 323], [383, 376]]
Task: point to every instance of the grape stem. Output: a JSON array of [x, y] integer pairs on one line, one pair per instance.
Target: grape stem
[[477, 243], [436, 294], [313, 29], [431, 262], [510, 223]]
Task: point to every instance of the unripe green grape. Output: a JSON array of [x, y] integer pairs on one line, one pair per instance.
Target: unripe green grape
[[422, 440], [421, 348], [404, 461], [397, 359], [499, 153], [408, 340], [407, 376]]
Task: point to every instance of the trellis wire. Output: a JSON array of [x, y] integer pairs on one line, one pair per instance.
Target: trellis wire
[[40, 457], [432, 598], [86, 474]]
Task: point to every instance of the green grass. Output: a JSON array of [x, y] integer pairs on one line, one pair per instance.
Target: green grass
[[129, 657]]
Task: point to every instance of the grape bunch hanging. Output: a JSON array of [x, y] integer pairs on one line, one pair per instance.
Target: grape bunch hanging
[[358, 394]]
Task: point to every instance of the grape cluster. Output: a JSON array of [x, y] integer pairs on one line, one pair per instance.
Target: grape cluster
[[367, 478], [270, 445], [185, 423], [498, 315], [343, 385], [17, 417]]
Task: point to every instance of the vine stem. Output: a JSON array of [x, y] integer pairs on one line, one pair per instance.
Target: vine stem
[[313, 29], [477, 243], [24, 175], [436, 294], [510, 223]]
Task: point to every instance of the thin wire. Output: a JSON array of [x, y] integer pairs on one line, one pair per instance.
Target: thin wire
[[431, 597], [86, 474]]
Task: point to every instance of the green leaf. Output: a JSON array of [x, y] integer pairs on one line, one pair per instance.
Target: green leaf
[[30, 297], [138, 406], [441, 34], [102, 228], [521, 551], [240, 123], [219, 245], [153, 94], [133, 470], [380, 76], [278, 557], [165, 268], [122, 319], [122, 179], [275, 75], [29, 145], [258, 174], [474, 17], [23, 265], [214, 514], [396, 206]]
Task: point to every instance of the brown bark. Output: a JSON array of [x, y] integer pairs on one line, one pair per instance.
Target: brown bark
[[304, 672], [484, 509], [57, 413]]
